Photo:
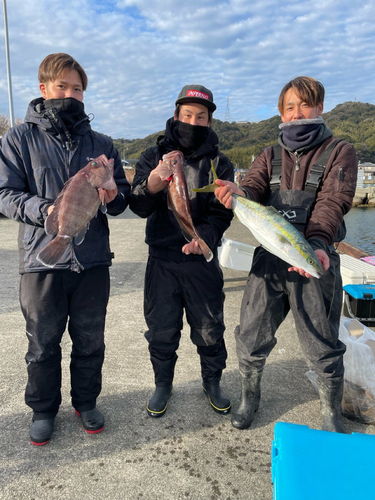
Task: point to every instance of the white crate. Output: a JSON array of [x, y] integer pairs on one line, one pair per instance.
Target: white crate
[[235, 255], [355, 271]]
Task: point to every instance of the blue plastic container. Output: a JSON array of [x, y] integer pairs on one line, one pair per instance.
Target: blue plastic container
[[359, 303], [308, 464]]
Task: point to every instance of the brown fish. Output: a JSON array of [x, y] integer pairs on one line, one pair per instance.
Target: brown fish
[[75, 206], [179, 202]]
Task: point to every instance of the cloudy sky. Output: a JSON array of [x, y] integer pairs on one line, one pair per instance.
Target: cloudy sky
[[138, 54]]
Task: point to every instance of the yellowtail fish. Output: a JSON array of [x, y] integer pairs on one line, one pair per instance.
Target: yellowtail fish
[[179, 202], [75, 206], [273, 232]]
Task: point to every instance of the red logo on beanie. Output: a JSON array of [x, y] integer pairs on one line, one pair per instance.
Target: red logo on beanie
[[197, 93]]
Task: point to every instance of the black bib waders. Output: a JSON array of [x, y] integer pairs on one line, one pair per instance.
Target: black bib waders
[[271, 291]]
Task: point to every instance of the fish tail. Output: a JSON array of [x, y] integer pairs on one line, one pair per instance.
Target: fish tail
[[205, 250], [206, 189], [210, 188], [213, 171], [53, 251]]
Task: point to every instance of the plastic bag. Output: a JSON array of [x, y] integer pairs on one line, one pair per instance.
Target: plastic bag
[[359, 378]]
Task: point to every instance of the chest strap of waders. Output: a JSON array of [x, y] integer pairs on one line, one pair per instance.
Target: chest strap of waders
[[275, 180], [316, 173]]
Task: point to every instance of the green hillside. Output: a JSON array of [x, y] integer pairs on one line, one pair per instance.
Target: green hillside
[[352, 121]]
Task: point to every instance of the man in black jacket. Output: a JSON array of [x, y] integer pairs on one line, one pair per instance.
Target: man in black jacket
[[36, 159], [178, 277]]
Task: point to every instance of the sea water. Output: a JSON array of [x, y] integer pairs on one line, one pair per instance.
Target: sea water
[[360, 228]]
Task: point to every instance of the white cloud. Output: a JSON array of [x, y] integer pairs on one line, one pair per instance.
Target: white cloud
[[138, 54]]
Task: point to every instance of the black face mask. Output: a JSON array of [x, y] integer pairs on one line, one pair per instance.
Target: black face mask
[[70, 110], [189, 137]]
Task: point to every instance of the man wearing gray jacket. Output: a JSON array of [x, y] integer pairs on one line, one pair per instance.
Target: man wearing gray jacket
[[36, 159]]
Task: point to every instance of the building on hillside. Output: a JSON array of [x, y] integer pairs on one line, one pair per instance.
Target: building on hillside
[[239, 174], [366, 175]]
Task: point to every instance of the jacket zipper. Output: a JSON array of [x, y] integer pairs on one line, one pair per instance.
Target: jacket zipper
[[340, 178], [296, 167], [65, 136]]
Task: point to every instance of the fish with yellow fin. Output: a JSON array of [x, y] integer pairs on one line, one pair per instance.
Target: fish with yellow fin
[[273, 232]]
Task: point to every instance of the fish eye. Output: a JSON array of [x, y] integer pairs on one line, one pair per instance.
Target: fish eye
[[93, 163]]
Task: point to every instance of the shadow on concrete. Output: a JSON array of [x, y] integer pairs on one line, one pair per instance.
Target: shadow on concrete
[[128, 427]]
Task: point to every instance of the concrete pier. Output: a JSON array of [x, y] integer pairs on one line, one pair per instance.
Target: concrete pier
[[191, 452]]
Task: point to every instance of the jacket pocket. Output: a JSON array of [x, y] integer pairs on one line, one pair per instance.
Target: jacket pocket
[[29, 236]]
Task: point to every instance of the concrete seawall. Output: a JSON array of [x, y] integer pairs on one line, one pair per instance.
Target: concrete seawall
[[364, 197]]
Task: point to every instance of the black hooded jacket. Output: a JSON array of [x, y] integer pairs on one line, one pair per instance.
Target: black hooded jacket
[[36, 159], [210, 217]]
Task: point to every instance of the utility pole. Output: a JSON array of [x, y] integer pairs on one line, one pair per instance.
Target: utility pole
[[11, 114]]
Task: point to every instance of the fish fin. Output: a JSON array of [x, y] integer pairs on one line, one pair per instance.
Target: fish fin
[[205, 250], [206, 189], [101, 196], [184, 225], [264, 241], [51, 224], [273, 209], [202, 244], [103, 208], [65, 186], [186, 235], [80, 236], [51, 254], [213, 171], [210, 188], [282, 239]]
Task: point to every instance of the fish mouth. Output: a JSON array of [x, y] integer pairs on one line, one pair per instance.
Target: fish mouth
[[315, 273]]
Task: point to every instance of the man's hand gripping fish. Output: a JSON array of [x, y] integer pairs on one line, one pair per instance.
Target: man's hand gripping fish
[[179, 202], [273, 232], [77, 203]]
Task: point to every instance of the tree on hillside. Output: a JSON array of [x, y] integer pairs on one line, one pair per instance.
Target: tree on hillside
[[352, 121], [5, 123]]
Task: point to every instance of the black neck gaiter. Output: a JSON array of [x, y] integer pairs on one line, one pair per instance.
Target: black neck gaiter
[[189, 137], [298, 134], [70, 110]]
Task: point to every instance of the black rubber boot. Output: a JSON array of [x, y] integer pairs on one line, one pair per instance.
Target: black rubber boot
[[158, 403], [250, 398], [330, 407], [92, 420], [218, 401], [41, 431]]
